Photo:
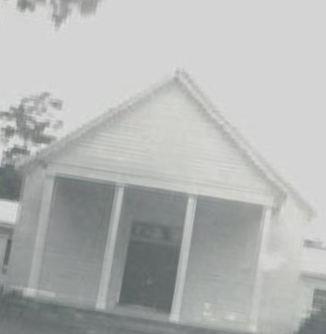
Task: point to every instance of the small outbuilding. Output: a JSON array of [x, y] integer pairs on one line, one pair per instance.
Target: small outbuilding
[[159, 209], [313, 277], [8, 214]]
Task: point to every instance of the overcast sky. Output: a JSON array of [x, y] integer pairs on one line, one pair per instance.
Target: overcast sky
[[263, 63]]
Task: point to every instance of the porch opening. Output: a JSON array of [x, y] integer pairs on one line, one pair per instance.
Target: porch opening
[[222, 261], [156, 220], [78, 226]]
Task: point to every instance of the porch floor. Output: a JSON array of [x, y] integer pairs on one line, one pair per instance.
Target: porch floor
[[22, 315]]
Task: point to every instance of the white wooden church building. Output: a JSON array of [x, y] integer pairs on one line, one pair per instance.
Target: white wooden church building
[[159, 209]]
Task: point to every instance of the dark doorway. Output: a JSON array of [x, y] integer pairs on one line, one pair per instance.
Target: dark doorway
[[151, 267]]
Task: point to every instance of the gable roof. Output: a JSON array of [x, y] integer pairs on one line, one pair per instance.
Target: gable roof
[[180, 76]]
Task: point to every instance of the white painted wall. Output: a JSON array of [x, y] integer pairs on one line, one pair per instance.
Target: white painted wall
[[279, 307]]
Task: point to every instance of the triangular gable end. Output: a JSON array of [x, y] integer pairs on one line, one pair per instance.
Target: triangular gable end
[[204, 157]]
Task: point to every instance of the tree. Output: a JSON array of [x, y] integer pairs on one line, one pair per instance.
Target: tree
[[60, 9], [24, 129], [29, 126]]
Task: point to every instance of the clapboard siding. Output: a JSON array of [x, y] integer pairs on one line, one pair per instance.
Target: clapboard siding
[[168, 137]]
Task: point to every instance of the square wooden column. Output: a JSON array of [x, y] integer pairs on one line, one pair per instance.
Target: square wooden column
[[41, 233], [257, 293], [183, 259], [110, 247]]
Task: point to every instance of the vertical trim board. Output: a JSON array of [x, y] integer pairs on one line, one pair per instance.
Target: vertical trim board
[[110, 247], [43, 222], [183, 259], [257, 293]]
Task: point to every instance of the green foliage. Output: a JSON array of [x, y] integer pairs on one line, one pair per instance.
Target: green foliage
[[60, 9], [315, 324], [10, 183], [28, 126]]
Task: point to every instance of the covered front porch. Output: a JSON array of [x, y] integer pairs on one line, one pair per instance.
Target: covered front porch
[[147, 252]]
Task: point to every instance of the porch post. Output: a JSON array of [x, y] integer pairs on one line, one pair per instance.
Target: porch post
[[109, 247], [264, 233], [39, 246], [183, 258]]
